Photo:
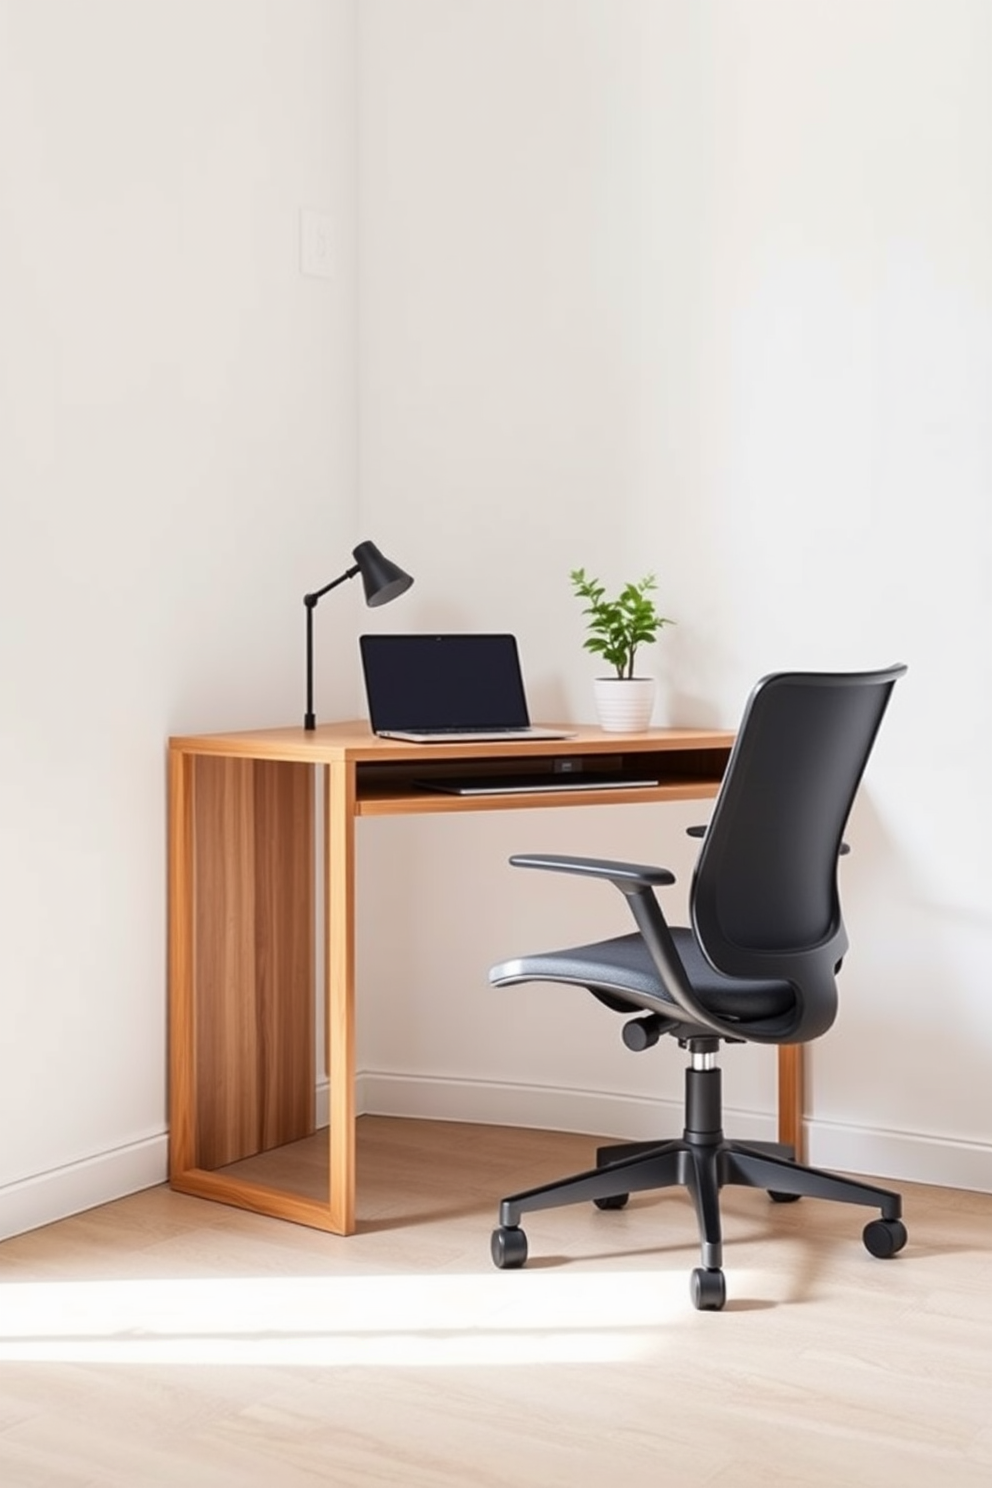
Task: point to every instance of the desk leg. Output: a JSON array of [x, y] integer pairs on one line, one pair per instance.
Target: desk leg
[[182, 1050], [339, 992], [791, 1096]]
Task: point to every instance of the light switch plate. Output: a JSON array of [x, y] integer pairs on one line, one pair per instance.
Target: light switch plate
[[316, 256]]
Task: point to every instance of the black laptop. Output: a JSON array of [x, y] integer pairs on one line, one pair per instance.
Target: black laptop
[[435, 689]]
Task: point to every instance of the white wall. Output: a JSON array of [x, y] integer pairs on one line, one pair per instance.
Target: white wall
[[177, 468], [703, 288]]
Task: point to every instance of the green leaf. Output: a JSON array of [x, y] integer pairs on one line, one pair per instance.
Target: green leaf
[[619, 626]]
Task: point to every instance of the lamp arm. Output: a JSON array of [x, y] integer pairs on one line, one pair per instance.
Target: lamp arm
[[310, 601]]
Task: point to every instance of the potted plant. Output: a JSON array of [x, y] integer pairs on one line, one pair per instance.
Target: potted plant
[[617, 628]]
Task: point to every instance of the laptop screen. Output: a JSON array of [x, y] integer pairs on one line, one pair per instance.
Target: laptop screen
[[430, 682]]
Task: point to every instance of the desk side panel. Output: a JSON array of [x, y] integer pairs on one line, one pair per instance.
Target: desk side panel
[[253, 956], [285, 949]]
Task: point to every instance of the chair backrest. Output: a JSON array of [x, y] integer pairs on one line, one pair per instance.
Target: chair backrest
[[764, 897]]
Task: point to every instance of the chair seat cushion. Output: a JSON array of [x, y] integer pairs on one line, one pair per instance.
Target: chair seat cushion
[[623, 967]]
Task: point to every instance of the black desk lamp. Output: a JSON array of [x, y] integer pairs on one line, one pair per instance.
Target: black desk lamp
[[383, 581]]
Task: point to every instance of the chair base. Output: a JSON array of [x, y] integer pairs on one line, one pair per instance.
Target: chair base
[[703, 1162]]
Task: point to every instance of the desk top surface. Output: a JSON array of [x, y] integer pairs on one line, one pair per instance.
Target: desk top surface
[[353, 741]]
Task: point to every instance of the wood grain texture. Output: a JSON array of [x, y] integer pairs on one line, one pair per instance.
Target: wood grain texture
[[253, 961], [373, 802], [242, 921], [791, 1097], [354, 740], [284, 949], [276, 1199], [182, 1087], [339, 960]]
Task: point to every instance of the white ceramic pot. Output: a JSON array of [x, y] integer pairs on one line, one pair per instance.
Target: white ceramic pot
[[624, 704]]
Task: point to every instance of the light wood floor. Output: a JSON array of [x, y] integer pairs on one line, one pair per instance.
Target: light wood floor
[[162, 1340]]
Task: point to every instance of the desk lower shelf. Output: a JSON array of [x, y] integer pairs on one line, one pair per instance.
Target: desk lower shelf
[[408, 786], [394, 801]]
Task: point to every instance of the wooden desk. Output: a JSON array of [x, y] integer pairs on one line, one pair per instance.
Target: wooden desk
[[243, 918]]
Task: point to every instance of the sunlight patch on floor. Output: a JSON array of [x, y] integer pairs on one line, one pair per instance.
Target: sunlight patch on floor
[[526, 1318]]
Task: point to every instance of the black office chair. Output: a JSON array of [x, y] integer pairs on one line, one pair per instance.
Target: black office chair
[[757, 966]]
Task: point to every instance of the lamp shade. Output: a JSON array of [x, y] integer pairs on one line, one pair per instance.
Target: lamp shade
[[383, 580]]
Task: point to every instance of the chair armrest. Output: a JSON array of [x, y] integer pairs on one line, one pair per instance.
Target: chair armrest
[[637, 882], [629, 878]]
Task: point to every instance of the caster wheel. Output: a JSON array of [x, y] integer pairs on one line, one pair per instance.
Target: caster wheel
[[508, 1248], [708, 1289], [615, 1201], [783, 1198], [884, 1237]]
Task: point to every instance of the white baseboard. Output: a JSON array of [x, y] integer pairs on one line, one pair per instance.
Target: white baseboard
[[901, 1156], [628, 1118], [897, 1156], [45, 1197]]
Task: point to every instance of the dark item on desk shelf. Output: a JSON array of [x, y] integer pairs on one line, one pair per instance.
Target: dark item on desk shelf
[[436, 689], [757, 963], [512, 785], [382, 580]]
